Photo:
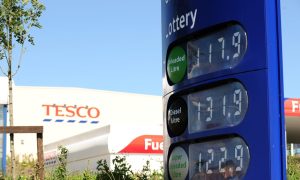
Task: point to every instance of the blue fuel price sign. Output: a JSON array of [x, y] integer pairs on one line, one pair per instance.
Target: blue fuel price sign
[[222, 85]]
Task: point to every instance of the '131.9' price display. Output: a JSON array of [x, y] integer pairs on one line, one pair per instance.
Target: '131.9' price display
[[222, 106]]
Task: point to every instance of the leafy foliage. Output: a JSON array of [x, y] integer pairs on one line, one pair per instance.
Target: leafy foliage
[[24, 168], [85, 175], [60, 171], [88, 175], [17, 17], [293, 169], [147, 173], [122, 170]]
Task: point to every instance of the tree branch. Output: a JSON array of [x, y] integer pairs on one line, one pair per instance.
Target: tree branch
[[3, 72], [20, 59]]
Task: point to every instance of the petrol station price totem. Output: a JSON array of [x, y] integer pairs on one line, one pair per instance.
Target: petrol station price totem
[[222, 85]]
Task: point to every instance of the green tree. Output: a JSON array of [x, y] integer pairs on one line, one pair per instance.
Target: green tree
[[17, 18]]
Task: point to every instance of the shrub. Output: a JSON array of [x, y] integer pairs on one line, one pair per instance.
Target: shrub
[[85, 175], [293, 169], [25, 168], [60, 171], [147, 174], [122, 170]]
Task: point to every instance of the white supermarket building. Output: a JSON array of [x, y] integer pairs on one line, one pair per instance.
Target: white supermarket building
[[91, 124], [95, 124]]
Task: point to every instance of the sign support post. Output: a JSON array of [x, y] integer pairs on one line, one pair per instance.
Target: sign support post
[[30, 129]]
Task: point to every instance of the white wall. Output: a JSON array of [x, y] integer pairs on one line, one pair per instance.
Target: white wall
[[115, 108], [105, 143]]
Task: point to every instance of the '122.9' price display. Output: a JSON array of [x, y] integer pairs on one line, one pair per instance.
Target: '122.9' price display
[[219, 159]]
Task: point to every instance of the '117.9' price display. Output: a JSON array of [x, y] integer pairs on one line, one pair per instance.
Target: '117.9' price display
[[216, 51], [220, 49]]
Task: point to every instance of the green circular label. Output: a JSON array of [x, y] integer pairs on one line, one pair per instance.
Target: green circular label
[[176, 64], [178, 164]]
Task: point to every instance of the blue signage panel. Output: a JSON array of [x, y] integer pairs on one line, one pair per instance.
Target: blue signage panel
[[3, 118], [222, 85]]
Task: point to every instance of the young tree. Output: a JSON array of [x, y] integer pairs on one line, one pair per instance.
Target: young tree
[[17, 18]]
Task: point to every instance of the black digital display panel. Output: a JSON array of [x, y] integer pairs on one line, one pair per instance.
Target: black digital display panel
[[219, 159], [218, 107], [221, 49]]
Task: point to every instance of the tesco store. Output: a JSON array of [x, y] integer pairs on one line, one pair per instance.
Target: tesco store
[[91, 124], [96, 124]]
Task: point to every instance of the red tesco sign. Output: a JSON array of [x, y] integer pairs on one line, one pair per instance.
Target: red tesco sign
[[71, 111]]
